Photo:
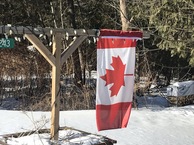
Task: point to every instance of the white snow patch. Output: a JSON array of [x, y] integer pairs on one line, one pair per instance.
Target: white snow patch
[[159, 126]]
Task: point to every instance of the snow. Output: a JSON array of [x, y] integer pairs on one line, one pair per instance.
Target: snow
[[147, 126]]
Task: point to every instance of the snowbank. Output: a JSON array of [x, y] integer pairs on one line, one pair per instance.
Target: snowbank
[[153, 126]]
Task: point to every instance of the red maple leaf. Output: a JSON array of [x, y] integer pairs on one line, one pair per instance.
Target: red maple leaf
[[115, 76]]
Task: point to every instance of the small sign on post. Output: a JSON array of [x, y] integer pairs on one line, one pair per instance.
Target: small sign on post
[[6, 43]]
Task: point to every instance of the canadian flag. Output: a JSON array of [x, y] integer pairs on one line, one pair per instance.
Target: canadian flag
[[115, 77]]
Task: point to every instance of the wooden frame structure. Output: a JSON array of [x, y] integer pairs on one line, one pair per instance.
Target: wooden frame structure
[[56, 58]]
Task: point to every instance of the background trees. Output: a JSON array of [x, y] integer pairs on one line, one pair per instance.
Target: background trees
[[168, 52], [173, 21], [170, 22]]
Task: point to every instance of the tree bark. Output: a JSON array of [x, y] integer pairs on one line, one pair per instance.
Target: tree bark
[[123, 14], [75, 55]]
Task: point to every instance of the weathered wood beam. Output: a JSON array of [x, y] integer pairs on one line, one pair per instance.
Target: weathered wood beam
[[55, 100], [20, 30], [41, 131], [3, 143], [41, 48], [71, 48]]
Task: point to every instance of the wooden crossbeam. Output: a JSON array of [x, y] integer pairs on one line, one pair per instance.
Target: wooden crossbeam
[[41, 48], [21, 30], [71, 48]]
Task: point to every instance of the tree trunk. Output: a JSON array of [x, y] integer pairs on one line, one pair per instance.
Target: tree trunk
[[123, 14], [75, 55]]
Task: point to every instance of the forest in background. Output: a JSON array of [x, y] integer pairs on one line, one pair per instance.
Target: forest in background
[[168, 54]]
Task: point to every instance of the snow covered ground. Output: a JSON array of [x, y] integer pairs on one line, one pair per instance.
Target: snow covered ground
[[147, 126]]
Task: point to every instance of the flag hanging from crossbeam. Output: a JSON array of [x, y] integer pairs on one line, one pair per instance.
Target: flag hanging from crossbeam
[[115, 77]]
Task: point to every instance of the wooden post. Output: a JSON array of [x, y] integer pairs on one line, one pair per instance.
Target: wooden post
[[56, 59], [55, 102]]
